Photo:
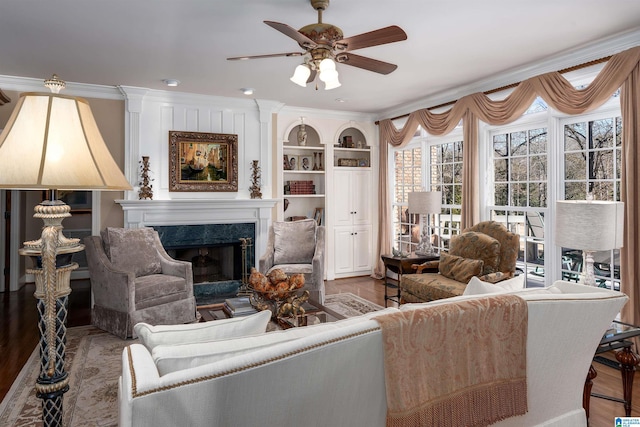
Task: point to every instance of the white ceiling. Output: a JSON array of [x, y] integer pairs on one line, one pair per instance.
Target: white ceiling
[[454, 43]]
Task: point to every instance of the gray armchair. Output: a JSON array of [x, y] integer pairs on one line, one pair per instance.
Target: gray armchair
[[134, 280], [297, 247]]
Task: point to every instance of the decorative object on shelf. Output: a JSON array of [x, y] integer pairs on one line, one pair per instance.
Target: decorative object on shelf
[[425, 203], [347, 141], [286, 204], [363, 163], [348, 162], [285, 162], [302, 133], [591, 226], [360, 144], [277, 290], [245, 245], [305, 163], [293, 163], [317, 215], [200, 161], [61, 134], [317, 161], [255, 180], [146, 189]]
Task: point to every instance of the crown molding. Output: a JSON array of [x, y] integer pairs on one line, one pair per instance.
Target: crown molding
[[28, 84]]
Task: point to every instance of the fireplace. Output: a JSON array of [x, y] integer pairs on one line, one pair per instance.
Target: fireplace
[[202, 227], [216, 254]]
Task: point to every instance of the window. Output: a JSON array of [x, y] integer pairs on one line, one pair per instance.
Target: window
[[520, 193], [442, 169], [407, 169], [592, 165]]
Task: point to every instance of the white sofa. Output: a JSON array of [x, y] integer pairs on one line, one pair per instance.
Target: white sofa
[[333, 374]]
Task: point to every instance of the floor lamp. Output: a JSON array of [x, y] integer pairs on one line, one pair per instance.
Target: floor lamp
[[425, 203], [591, 226], [52, 142]]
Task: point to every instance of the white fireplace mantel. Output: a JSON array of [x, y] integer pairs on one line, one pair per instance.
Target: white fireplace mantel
[[146, 213]]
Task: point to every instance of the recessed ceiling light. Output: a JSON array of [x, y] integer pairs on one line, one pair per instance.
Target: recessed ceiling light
[[340, 100], [171, 82], [247, 90]]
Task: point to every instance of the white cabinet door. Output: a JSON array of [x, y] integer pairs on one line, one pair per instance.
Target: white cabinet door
[[343, 215], [360, 196], [362, 249], [343, 250]]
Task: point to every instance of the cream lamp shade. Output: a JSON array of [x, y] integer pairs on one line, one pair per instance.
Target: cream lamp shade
[[51, 141], [590, 225], [425, 202]]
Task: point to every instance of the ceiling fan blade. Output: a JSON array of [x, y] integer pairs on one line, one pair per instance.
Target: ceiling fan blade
[[271, 55], [385, 35], [365, 63], [312, 76], [304, 41]]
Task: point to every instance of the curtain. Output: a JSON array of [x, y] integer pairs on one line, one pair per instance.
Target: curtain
[[559, 94], [630, 195]]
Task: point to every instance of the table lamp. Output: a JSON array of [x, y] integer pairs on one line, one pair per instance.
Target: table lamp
[[591, 226], [425, 203], [51, 142]]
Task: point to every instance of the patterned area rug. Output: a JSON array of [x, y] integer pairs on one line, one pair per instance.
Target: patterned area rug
[[93, 364]]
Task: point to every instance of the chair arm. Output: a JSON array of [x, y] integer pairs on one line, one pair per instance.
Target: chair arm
[[266, 260], [318, 259], [111, 288], [426, 265]]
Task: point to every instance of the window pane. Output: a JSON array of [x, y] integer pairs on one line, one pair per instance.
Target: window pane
[[447, 173], [575, 166], [538, 141], [574, 136], [518, 168], [500, 170], [538, 194], [575, 191], [602, 190], [601, 164], [501, 195], [457, 173], [602, 133], [518, 194], [538, 168], [447, 155], [500, 145], [518, 143]]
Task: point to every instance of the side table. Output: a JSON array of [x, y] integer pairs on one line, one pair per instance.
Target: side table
[[400, 266], [617, 338]]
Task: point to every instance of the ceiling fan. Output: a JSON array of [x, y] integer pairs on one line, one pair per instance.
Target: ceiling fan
[[324, 45]]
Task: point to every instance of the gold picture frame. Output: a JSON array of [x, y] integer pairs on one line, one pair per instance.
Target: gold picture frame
[[201, 161]]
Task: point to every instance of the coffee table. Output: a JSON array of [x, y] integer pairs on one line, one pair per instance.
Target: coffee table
[[315, 313]]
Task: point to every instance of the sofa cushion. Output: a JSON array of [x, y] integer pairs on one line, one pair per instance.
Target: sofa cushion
[[152, 336], [133, 249], [459, 268], [477, 286], [294, 241], [477, 246], [171, 358], [429, 287]]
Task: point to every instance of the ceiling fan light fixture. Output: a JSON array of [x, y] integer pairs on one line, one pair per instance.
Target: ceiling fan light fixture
[[332, 83], [301, 75], [327, 64]]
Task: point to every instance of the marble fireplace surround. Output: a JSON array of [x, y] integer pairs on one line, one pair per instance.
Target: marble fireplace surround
[[149, 213]]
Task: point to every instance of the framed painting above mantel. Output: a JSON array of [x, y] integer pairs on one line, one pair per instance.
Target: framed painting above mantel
[[201, 161]]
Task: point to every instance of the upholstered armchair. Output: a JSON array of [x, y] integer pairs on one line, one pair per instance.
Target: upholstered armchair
[[487, 250], [297, 247], [134, 280]]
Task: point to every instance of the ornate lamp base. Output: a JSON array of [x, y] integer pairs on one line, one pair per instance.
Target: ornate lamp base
[[52, 291]]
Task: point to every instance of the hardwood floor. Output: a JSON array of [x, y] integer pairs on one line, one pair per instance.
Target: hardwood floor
[[19, 336]]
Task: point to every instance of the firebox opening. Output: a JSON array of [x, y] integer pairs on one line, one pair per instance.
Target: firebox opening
[[212, 263]]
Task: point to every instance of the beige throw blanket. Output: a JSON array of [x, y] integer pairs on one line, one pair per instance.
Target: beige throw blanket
[[460, 364]]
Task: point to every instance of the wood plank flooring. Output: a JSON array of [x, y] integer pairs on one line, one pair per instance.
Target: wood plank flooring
[[19, 337]]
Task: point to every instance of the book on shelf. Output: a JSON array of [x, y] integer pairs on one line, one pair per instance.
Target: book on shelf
[[240, 306]]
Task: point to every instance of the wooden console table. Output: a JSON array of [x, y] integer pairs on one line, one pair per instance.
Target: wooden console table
[[617, 338], [400, 266]]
